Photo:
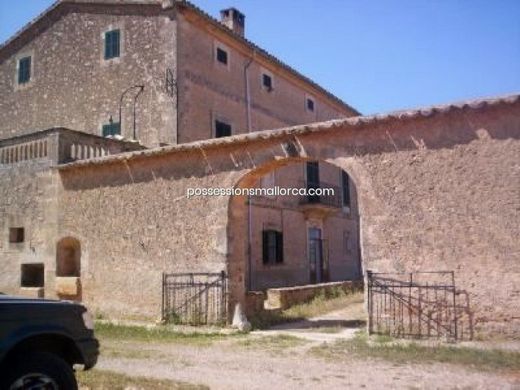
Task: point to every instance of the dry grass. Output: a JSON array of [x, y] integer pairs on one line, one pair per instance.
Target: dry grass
[[389, 349], [321, 304], [106, 331], [107, 380]]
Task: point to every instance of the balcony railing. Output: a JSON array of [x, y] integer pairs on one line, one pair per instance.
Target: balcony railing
[[330, 195], [60, 146]]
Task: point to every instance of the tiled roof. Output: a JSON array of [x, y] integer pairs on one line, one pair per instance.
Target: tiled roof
[[36, 25], [353, 122]]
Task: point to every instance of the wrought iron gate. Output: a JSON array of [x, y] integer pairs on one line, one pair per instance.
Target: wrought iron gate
[[419, 305], [194, 298]]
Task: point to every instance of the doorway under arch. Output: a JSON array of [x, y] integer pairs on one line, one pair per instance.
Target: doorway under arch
[[282, 241]]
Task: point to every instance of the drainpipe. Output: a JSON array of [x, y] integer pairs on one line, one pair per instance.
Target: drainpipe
[[249, 217], [248, 93]]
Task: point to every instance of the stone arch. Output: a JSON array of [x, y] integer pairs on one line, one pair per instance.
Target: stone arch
[[68, 257], [237, 254]]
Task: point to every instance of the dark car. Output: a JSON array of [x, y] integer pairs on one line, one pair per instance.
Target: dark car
[[40, 342]]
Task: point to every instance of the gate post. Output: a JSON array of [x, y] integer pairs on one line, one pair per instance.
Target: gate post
[[368, 283]]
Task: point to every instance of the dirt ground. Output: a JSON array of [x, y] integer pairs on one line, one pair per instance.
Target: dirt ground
[[276, 359]]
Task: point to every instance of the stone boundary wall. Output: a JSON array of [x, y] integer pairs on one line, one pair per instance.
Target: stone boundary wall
[[285, 297]]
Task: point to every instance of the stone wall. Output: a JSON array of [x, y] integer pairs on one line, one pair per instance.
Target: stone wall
[[73, 86], [438, 189]]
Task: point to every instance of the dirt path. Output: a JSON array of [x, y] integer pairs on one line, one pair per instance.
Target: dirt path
[[268, 363]]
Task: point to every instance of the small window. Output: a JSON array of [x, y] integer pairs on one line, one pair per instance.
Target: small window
[[267, 82], [222, 56], [112, 44], [272, 247], [345, 189], [310, 104], [111, 129], [32, 275], [24, 70], [222, 129], [16, 235], [313, 174]]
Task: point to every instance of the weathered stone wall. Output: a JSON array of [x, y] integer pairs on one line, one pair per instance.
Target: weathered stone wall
[[439, 191], [73, 86], [27, 200]]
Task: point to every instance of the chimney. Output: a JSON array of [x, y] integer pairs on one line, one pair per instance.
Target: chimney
[[234, 20]]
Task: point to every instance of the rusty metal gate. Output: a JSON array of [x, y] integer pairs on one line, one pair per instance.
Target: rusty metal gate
[[416, 305], [194, 298]]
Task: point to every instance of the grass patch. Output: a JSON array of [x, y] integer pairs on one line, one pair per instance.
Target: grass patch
[[276, 342], [157, 334], [323, 303], [107, 380], [386, 348]]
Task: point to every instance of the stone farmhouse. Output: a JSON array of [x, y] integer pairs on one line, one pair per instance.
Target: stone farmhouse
[[113, 110]]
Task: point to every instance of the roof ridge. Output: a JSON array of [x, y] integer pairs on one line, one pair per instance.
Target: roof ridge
[[425, 112]]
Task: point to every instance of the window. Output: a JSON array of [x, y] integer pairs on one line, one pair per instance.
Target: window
[[112, 44], [313, 174], [267, 82], [222, 56], [345, 189], [32, 275], [16, 235], [272, 247], [111, 129], [222, 129], [24, 70], [310, 104]]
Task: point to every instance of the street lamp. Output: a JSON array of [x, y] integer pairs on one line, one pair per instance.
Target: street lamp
[[141, 88]]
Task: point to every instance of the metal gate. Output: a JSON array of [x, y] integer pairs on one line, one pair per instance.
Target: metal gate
[[195, 298], [417, 305]]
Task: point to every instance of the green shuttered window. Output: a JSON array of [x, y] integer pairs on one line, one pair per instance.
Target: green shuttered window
[[112, 44], [24, 70], [111, 129]]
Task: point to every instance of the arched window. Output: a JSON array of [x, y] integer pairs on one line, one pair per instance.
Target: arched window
[[68, 257]]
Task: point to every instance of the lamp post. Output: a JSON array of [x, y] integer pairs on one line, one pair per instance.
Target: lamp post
[[141, 88]]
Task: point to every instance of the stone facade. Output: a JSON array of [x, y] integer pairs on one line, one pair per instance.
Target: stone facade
[[431, 189], [435, 189], [168, 48]]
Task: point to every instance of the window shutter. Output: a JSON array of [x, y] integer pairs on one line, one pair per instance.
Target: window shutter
[[265, 246], [279, 247]]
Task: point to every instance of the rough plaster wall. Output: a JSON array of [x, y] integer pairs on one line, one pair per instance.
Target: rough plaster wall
[[438, 193], [28, 200], [136, 222], [73, 86], [441, 193]]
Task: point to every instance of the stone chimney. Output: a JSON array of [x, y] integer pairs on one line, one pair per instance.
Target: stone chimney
[[234, 20]]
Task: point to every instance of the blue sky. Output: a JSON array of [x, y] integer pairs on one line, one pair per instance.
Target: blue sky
[[376, 55]]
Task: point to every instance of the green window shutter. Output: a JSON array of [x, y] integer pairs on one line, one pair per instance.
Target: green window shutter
[[24, 70], [106, 130], [111, 129], [112, 44]]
